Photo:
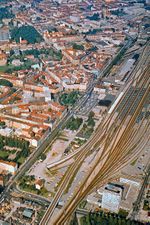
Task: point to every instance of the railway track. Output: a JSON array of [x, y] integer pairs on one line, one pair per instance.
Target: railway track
[[144, 59], [111, 159], [114, 162]]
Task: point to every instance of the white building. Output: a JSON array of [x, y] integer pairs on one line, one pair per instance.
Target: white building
[[111, 198], [8, 166], [6, 131]]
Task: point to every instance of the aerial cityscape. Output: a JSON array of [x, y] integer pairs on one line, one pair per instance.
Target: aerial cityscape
[[74, 112]]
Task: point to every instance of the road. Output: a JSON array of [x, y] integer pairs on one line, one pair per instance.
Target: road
[[47, 142], [115, 139], [41, 200], [103, 73], [45, 145], [115, 158]]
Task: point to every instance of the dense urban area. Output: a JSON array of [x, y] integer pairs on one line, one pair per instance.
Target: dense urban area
[[74, 112]]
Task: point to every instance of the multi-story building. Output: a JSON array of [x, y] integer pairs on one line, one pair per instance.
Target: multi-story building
[[111, 197], [11, 167]]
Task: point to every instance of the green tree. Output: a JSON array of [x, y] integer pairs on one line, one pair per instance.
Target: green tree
[[43, 156], [78, 47], [94, 17], [69, 98], [4, 82], [74, 123], [90, 120], [5, 13], [26, 32], [102, 218]]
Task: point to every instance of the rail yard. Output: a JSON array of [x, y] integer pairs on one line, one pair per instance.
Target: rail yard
[[119, 139]]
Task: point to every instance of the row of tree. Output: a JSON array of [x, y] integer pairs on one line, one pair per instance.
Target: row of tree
[[88, 127], [4, 82], [36, 53], [90, 121], [14, 142], [44, 51], [5, 1], [102, 218], [26, 66], [95, 17]]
